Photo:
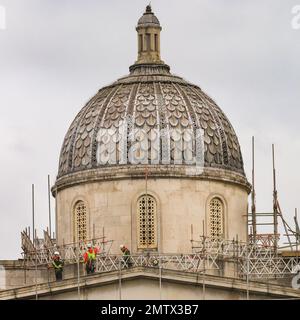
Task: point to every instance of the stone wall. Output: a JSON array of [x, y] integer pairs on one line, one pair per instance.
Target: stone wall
[[13, 274], [183, 202]]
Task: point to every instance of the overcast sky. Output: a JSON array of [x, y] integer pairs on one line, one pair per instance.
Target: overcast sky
[[56, 54]]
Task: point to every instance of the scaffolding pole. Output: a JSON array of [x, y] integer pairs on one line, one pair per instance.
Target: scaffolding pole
[[120, 280], [297, 234], [49, 205], [32, 200], [160, 275], [247, 275], [253, 205], [78, 272], [35, 275], [275, 202]]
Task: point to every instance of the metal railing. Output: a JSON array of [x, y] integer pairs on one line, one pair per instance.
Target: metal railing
[[182, 262], [249, 260], [68, 252], [252, 260]]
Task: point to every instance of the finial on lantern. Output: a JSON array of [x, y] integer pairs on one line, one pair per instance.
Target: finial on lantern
[[148, 29], [148, 8]]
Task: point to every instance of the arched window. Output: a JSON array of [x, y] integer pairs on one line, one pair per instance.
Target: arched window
[[216, 219], [147, 222], [80, 221]]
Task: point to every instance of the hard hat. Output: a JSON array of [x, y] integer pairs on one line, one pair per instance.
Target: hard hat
[[89, 245], [56, 253], [122, 246]]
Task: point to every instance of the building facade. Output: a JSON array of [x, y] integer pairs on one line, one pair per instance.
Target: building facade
[[152, 163]]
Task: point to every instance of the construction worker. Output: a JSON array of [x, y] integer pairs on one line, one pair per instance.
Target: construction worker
[[90, 258], [126, 256], [58, 266]]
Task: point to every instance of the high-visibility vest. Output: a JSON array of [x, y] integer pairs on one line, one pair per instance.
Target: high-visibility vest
[[91, 255], [57, 266]]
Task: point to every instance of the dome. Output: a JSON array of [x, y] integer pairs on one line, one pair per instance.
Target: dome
[[150, 102], [148, 159], [148, 18], [154, 99]]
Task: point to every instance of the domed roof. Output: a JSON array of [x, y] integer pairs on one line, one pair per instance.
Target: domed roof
[[154, 99], [150, 102], [148, 18]]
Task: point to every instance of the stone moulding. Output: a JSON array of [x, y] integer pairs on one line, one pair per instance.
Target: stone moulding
[[117, 172], [49, 289]]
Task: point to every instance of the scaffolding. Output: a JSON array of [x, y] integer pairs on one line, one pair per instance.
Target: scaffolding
[[208, 255], [43, 251], [250, 260], [260, 257], [256, 219]]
